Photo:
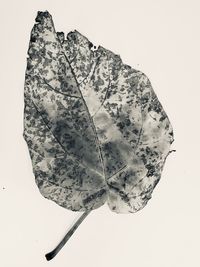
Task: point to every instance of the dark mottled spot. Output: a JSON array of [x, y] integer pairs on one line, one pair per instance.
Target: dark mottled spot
[[151, 170]]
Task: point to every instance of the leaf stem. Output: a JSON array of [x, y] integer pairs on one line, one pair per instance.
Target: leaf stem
[[49, 256]]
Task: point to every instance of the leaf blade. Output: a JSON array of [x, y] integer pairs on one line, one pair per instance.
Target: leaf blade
[[110, 132]]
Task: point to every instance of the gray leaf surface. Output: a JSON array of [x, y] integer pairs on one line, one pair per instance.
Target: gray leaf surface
[[95, 130]]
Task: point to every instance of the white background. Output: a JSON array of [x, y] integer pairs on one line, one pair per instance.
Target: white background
[[160, 38]]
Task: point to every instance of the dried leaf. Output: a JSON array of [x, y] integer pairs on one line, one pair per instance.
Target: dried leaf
[[95, 129]]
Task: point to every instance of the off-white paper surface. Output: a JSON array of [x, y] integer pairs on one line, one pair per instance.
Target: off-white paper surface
[[160, 38]]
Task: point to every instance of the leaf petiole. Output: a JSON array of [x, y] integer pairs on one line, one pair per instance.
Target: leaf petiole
[[49, 256]]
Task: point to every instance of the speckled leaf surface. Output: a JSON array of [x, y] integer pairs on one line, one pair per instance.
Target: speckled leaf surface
[[95, 130]]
